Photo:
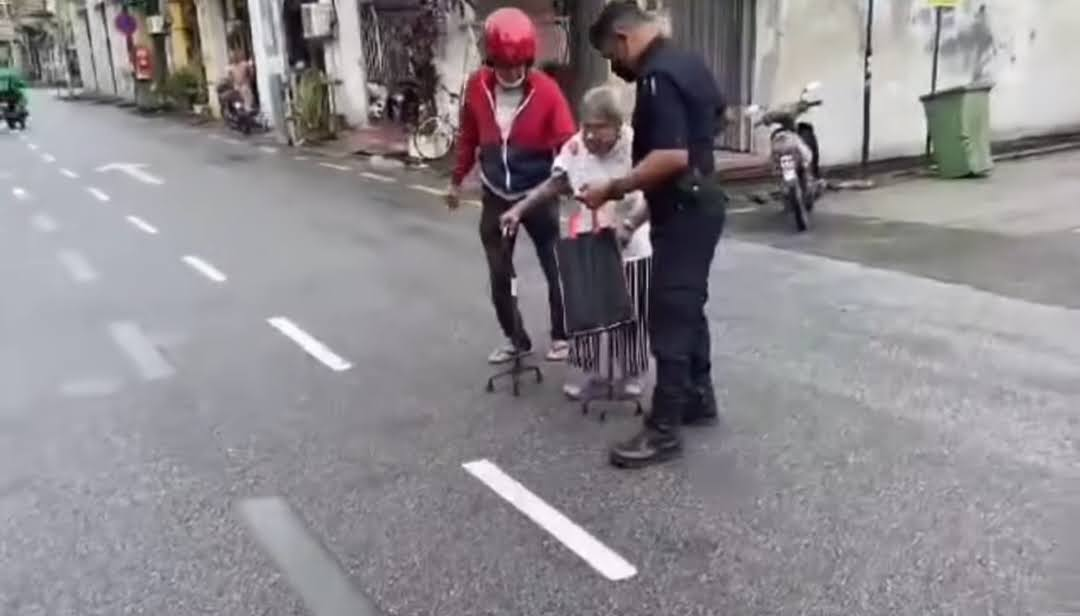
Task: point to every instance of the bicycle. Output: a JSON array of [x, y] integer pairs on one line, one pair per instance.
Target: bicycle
[[434, 137]]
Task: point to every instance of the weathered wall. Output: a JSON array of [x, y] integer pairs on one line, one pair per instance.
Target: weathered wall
[[77, 15], [99, 43], [344, 55], [1029, 49]]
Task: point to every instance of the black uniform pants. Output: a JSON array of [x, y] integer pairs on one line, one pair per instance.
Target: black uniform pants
[[542, 225], [684, 244]]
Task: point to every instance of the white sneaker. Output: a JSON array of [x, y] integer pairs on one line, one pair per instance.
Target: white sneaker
[[504, 353], [559, 351]]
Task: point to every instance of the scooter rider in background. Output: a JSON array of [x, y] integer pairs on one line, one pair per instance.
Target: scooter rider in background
[[514, 119], [674, 122], [13, 91]]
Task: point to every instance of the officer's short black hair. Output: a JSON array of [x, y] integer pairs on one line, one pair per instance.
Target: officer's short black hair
[[616, 14]]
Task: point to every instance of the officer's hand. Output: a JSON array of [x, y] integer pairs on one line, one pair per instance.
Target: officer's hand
[[509, 221], [595, 196], [453, 196]]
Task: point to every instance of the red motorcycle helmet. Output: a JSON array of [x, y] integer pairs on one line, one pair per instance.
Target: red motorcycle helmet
[[509, 38]]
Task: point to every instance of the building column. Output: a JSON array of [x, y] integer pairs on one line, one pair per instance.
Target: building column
[[215, 52], [345, 62]]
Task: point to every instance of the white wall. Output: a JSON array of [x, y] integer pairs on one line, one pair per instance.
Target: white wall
[[457, 58], [345, 62], [215, 55], [268, 41], [125, 78], [1029, 49], [101, 57]]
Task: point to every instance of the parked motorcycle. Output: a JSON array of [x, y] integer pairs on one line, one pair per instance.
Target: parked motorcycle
[[795, 154], [233, 111], [14, 115]]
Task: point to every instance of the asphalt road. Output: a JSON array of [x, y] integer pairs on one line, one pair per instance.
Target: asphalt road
[[239, 382]]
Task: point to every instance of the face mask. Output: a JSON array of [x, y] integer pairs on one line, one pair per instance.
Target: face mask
[[510, 85]]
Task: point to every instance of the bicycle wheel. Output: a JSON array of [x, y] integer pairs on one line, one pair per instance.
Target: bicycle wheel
[[433, 138]]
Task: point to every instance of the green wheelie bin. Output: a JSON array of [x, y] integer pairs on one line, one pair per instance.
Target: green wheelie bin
[[959, 123]]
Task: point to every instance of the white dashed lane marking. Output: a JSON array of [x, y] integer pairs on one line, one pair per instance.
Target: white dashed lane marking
[[49, 158], [204, 268], [429, 190], [742, 210], [377, 177], [309, 343], [32, 146], [77, 266], [43, 222], [68, 173], [309, 568], [20, 193], [335, 167], [268, 149], [142, 225], [600, 557], [148, 361], [98, 194]]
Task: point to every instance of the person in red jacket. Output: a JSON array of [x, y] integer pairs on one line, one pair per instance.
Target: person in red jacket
[[514, 120]]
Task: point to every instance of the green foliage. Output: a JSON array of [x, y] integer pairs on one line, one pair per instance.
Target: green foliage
[[185, 88]]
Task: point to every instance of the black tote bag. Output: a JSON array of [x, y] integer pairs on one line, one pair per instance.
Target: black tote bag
[[594, 291]]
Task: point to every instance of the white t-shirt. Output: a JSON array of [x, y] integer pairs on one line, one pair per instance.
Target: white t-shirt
[[583, 168]]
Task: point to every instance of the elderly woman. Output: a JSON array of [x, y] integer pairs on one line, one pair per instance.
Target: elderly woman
[[601, 151]]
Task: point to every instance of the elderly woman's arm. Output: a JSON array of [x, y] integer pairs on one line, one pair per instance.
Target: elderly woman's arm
[[555, 186]]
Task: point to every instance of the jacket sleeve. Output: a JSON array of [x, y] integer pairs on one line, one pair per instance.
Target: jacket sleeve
[[467, 138], [563, 126]]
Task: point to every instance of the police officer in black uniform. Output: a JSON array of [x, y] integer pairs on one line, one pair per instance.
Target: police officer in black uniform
[[675, 119]]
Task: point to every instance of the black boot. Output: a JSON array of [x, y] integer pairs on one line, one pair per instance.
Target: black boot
[[652, 445], [702, 411]]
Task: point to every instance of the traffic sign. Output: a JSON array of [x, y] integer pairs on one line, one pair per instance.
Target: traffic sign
[[125, 23]]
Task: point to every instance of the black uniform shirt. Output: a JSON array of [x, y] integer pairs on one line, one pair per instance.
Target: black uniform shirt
[[678, 106]]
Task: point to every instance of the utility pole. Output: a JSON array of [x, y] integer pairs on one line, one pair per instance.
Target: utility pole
[[867, 79], [934, 70]]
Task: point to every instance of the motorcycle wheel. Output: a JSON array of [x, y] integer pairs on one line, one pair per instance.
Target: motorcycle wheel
[[796, 202], [12, 124]]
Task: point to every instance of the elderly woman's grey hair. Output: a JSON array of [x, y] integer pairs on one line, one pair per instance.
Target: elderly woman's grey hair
[[602, 103]]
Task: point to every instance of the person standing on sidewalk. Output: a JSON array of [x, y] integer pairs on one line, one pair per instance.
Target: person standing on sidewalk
[[514, 119], [676, 114]]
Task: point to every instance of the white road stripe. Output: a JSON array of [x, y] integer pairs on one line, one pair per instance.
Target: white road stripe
[[306, 564], [316, 349], [231, 141], [49, 158], [32, 146], [333, 166], [268, 149], [742, 210], [429, 190], [216, 137], [300, 158], [77, 266], [20, 193], [377, 177], [205, 268], [98, 194], [140, 350], [68, 173], [43, 223], [596, 554], [142, 225]]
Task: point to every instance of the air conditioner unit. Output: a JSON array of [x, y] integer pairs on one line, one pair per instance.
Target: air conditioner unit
[[317, 19], [155, 24]]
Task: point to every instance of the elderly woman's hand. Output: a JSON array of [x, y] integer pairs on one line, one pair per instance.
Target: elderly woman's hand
[[594, 196], [510, 220]]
